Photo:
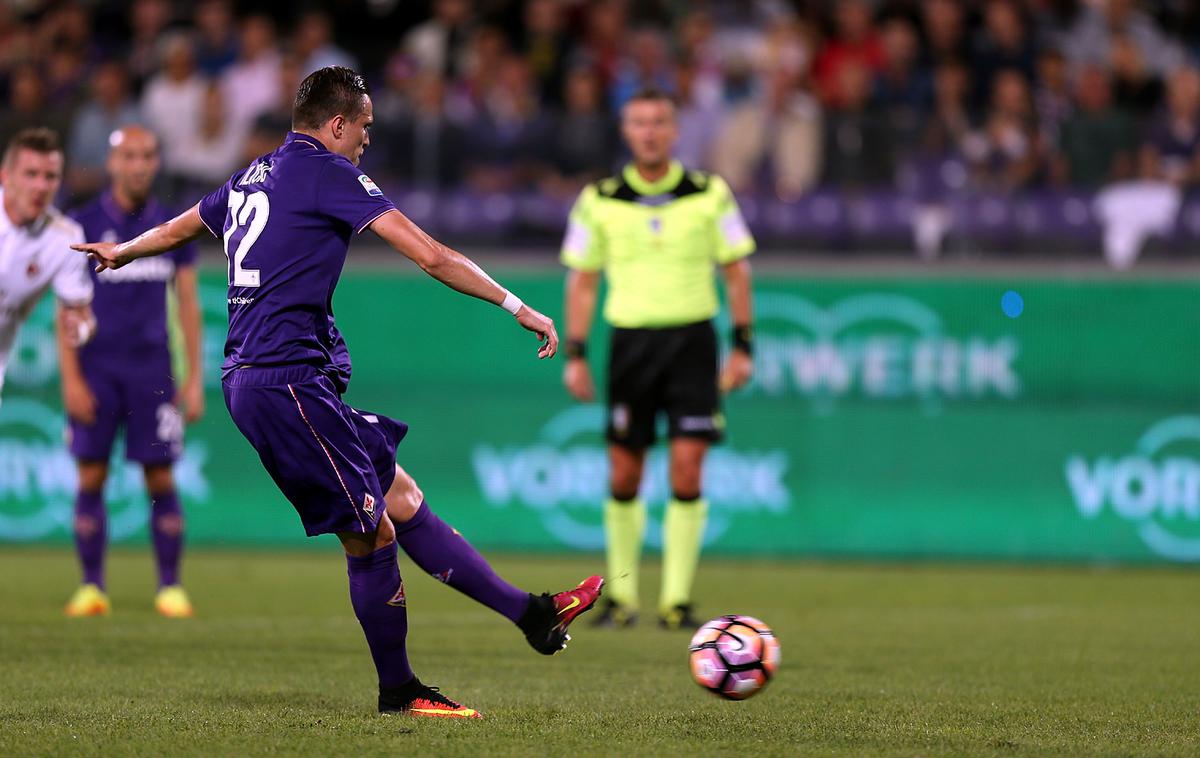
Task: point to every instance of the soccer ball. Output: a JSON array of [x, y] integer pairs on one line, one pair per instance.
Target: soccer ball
[[734, 656]]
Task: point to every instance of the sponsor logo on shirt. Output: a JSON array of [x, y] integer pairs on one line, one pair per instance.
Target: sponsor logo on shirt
[[370, 186], [141, 270]]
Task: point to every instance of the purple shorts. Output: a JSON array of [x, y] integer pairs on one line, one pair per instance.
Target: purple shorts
[[138, 395], [334, 463]]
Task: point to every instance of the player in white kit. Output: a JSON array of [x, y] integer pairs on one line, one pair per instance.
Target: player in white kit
[[35, 240]]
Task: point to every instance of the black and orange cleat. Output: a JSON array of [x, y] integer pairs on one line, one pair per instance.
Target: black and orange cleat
[[545, 623], [416, 699]]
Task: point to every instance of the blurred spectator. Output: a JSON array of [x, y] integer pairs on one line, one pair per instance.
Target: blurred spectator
[[1052, 95], [1138, 90], [1005, 152], [1003, 43], [703, 57], [1091, 37], [173, 98], [858, 140], [604, 29], [1171, 151], [583, 146], [251, 85], [214, 150], [26, 105], [1097, 141], [16, 40], [949, 125], [507, 137], [421, 144], [439, 44], [315, 46], [546, 47], [148, 20], [486, 56], [217, 46], [854, 45], [273, 124], [66, 74], [902, 88], [943, 23], [645, 65], [768, 115], [109, 108], [699, 122]]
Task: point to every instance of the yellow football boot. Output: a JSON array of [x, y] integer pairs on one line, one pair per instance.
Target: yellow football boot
[[88, 600], [173, 603]]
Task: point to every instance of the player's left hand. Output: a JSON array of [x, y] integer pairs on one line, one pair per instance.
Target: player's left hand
[[543, 327], [739, 367], [102, 254], [190, 400]]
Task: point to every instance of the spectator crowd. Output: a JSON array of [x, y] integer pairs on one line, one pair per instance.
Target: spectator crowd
[[781, 98]]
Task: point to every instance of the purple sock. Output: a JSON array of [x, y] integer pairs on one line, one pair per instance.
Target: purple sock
[[166, 526], [448, 557], [91, 535], [377, 594]]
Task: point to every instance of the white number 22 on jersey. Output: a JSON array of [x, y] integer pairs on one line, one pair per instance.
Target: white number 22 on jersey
[[241, 207]]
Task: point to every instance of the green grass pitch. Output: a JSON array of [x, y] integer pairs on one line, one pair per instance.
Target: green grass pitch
[[877, 660]]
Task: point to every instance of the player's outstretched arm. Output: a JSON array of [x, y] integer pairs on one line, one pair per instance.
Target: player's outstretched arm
[[180, 230], [460, 273]]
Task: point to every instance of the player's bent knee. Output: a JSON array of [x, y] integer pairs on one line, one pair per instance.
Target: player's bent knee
[[159, 479], [92, 476], [403, 498]]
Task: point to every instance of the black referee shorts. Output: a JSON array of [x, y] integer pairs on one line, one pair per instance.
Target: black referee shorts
[[673, 370]]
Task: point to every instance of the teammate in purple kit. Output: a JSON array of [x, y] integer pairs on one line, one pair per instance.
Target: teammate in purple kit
[[122, 378], [286, 221]]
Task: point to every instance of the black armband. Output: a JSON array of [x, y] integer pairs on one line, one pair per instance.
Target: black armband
[[576, 349], [743, 339]]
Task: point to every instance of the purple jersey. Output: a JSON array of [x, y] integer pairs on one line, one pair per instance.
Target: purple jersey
[[286, 221], [131, 302]]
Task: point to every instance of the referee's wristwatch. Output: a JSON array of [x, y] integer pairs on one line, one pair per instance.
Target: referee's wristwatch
[[576, 349], [743, 338]]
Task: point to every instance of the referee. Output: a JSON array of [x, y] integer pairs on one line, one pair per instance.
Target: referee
[[657, 231]]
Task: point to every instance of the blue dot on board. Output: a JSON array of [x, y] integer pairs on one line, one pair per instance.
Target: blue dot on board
[[1012, 304]]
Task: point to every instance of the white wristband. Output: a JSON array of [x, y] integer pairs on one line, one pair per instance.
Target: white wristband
[[511, 303]]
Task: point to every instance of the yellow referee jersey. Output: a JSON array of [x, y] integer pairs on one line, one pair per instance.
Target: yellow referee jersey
[[657, 243]]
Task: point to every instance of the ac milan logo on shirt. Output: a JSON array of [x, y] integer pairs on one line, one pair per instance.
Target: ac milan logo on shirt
[[444, 577], [398, 599], [32, 269], [369, 504]]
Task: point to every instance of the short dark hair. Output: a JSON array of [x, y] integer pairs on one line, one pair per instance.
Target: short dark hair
[[39, 139], [653, 94], [328, 92]]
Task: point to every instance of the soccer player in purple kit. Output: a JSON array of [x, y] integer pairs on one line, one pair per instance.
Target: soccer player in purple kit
[[286, 221], [122, 378]]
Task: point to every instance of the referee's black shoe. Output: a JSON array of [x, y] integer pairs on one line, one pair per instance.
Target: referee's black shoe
[[614, 616], [679, 617]]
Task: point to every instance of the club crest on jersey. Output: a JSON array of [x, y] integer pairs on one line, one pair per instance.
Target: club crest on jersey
[[369, 504], [256, 173], [398, 599], [656, 224], [370, 186], [32, 269]]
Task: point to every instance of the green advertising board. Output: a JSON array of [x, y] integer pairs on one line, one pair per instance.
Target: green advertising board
[[888, 418]]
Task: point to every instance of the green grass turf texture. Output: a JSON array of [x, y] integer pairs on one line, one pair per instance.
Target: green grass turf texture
[[877, 660]]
